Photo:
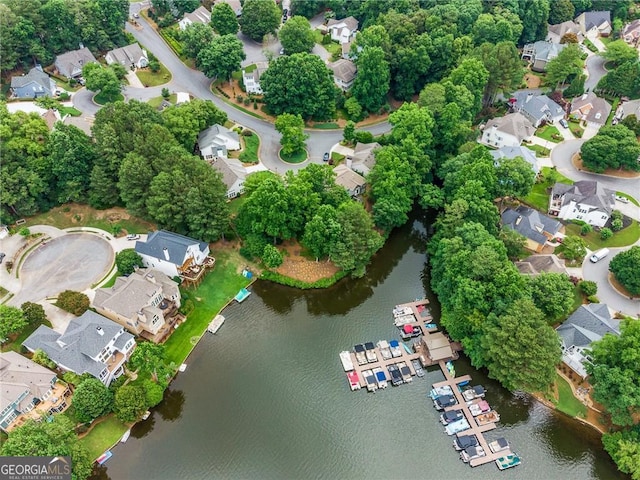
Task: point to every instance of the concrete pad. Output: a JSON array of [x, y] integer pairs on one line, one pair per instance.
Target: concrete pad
[[59, 318], [133, 80]]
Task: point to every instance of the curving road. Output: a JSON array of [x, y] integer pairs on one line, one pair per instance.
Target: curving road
[[595, 71]]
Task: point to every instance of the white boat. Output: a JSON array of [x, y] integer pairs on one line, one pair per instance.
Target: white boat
[[417, 367], [478, 407], [457, 427], [361, 357], [385, 351], [399, 311], [125, 437], [146, 415], [499, 445], [474, 392], [405, 371], [215, 325], [472, 453], [182, 367], [439, 391], [404, 319], [508, 461], [370, 352], [381, 377], [347, 363], [370, 380], [396, 351]]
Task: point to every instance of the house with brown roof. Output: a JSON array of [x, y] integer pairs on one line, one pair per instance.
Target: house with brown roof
[[233, 175], [352, 182], [146, 303], [631, 32], [50, 117], [199, 15], [344, 73], [28, 390], [559, 30], [510, 130], [591, 109], [344, 30], [541, 263]]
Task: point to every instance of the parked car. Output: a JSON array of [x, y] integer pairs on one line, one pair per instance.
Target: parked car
[[599, 255], [282, 51], [326, 157], [133, 236], [622, 199], [564, 123]]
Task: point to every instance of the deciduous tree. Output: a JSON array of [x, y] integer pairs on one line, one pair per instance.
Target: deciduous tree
[[296, 36], [73, 302], [613, 147], [619, 52], [33, 313], [129, 403], [552, 293], [567, 63], [573, 248], [197, 36], [221, 57], [561, 11], [12, 320], [223, 19], [91, 399], [372, 82], [101, 79], [626, 268], [259, 17], [127, 260], [291, 127]]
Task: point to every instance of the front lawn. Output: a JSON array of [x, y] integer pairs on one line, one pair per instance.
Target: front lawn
[[325, 126], [626, 236], [103, 435], [539, 149], [296, 157], [155, 102], [69, 111], [153, 79], [219, 286], [550, 133], [251, 146], [567, 402], [538, 198]]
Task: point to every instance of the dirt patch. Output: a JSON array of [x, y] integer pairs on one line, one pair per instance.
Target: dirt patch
[[300, 268], [532, 81], [577, 162]]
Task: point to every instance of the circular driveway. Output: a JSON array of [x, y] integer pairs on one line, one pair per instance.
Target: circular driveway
[[71, 262]]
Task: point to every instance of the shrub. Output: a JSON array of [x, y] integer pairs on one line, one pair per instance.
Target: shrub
[[187, 307], [247, 101], [247, 133], [73, 302], [588, 287], [616, 225], [165, 93], [606, 233], [362, 136], [271, 256], [239, 98], [593, 299], [41, 358], [616, 215], [154, 66], [24, 231], [586, 229]]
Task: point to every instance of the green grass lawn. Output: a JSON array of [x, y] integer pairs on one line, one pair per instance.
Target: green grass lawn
[[539, 149], [236, 204], [251, 146], [296, 157], [153, 79], [614, 107], [325, 126], [631, 199], [69, 111], [16, 344], [567, 402], [101, 99], [626, 236], [538, 198], [3, 291], [156, 101], [103, 435], [219, 286], [547, 133]]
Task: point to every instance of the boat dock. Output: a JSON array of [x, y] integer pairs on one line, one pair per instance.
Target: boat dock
[[215, 325]]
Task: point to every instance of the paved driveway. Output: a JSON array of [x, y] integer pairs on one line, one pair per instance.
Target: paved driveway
[[69, 262]]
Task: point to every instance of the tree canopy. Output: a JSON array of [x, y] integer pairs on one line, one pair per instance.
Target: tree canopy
[[292, 129], [371, 85], [223, 19], [221, 57], [296, 36], [259, 17], [91, 399], [613, 147], [625, 266]]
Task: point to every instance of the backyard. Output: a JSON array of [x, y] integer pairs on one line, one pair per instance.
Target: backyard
[[538, 198], [251, 146], [103, 435], [566, 402], [624, 237]]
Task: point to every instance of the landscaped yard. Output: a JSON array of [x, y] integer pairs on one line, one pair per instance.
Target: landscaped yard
[[296, 157], [251, 146], [218, 287], [539, 149], [550, 133], [567, 402], [153, 79], [103, 435], [538, 198], [156, 101], [69, 111], [16, 343], [624, 237]]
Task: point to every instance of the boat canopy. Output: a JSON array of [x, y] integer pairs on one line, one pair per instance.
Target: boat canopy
[[479, 390], [359, 348], [472, 451], [484, 405], [381, 376], [452, 415], [369, 346], [465, 441], [502, 443], [394, 343], [407, 328]]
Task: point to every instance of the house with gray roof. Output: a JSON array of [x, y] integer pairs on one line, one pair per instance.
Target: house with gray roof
[[538, 109], [541, 263], [540, 53], [632, 107], [534, 226], [34, 84], [171, 253], [70, 64], [344, 73], [130, 57], [352, 182], [199, 15], [28, 390], [90, 344], [631, 33], [344, 30], [233, 175], [215, 142], [595, 24], [251, 79], [559, 30], [512, 152], [587, 324], [235, 5], [510, 130], [591, 109], [363, 158], [585, 200], [145, 303]]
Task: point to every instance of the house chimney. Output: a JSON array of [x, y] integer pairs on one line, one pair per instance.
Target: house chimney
[[166, 253], [349, 161], [518, 220], [100, 331]]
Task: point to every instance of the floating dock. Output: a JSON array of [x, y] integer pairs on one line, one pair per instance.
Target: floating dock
[[242, 295], [215, 325]]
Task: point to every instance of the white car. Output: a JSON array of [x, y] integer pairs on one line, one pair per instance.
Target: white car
[[133, 236], [622, 199]]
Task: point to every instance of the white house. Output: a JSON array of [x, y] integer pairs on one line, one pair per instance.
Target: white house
[[591, 109], [344, 73], [199, 15], [507, 131], [252, 79], [233, 175], [537, 108], [216, 141], [171, 253], [595, 24], [585, 200], [130, 57], [342, 31]]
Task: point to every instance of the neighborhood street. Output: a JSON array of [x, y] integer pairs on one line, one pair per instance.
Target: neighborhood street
[[595, 71], [599, 273]]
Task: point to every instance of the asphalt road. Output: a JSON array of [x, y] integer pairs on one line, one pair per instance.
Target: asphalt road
[[599, 273], [595, 71]]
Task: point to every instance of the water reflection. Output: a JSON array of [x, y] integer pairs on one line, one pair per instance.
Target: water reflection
[[171, 407]]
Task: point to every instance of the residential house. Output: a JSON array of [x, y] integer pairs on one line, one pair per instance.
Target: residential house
[[145, 303], [363, 158], [540, 53], [235, 5], [559, 30], [352, 182], [34, 84], [216, 141], [508, 131], [541, 263], [199, 15], [171, 253], [342, 31], [631, 32], [595, 24], [588, 324], [233, 175], [252, 79], [512, 152], [50, 117], [539, 109], [591, 109], [130, 57], [28, 390], [585, 200], [83, 123], [70, 64], [534, 226], [632, 107], [344, 73], [90, 344]]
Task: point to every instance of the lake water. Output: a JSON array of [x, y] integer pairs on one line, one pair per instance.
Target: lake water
[[266, 398]]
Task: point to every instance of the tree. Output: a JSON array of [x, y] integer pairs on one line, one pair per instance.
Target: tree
[[129, 403], [271, 256], [103, 80], [372, 82], [150, 358], [299, 84], [498, 27], [569, 37], [41, 358], [619, 52], [259, 17], [73, 302], [516, 177], [322, 232], [221, 57], [623, 80], [613, 147], [534, 15], [223, 19], [573, 248], [522, 350], [292, 129], [412, 121], [552, 293], [50, 438], [624, 448], [153, 393], [349, 131], [586, 229], [606, 233], [197, 36], [296, 36], [625, 267], [33, 313], [12, 320], [514, 242], [472, 74], [588, 287], [632, 123], [567, 63], [186, 120], [561, 11], [353, 109], [503, 63], [127, 260], [91, 399]]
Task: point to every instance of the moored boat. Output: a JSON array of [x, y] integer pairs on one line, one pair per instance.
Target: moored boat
[[451, 416], [471, 453], [399, 311], [465, 441], [385, 351], [394, 373], [125, 436], [405, 371], [370, 380], [347, 363], [508, 461], [444, 401], [478, 407], [404, 320], [104, 457], [490, 417], [439, 391], [472, 393], [361, 357], [381, 377], [499, 445], [370, 352], [417, 367], [215, 325], [457, 427], [396, 351], [354, 380]]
